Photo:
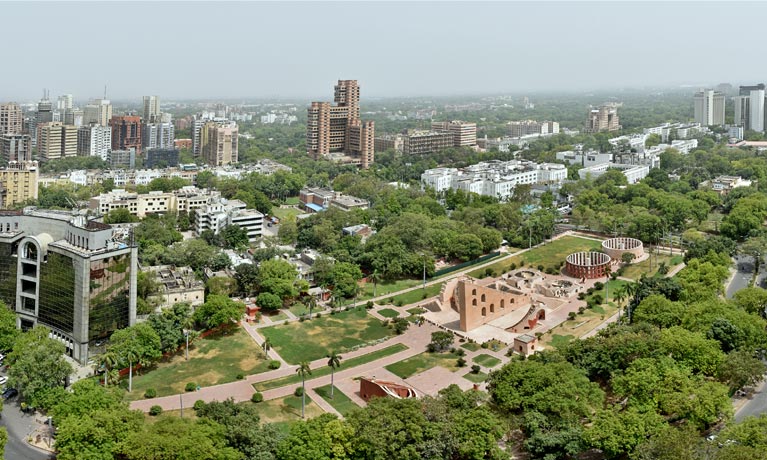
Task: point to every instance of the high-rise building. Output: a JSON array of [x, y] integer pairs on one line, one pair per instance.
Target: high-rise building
[[122, 159], [165, 158], [709, 107], [464, 133], [151, 113], [64, 102], [338, 128], [15, 147], [750, 107], [219, 143], [196, 134], [605, 118], [11, 119], [56, 140], [73, 117], [73, 275], [158, 135], [419, 142], [97, 111], [18, 183], [44, 110], [94, 140], [126, 132]]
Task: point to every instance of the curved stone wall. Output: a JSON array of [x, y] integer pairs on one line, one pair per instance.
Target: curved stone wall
[[587, 264], [616, 247]]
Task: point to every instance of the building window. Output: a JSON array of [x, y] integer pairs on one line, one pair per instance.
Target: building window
[[492, 308], [502, 303], [474, 302], [484, 311], [473, 292], [482, 298]]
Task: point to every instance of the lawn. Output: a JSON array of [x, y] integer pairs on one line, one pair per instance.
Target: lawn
[[388, 313], [471, 346], [276, 316], [310, 340], [286, 213], [292, 200], [422, 362], [417, 311], [479, 377], [287, 409], [417, 295], [635, 271], [340, 401], [325, 370], [549, 255], [212, 360], [487, 361], [386, 287], [298, 309], [582, 324]]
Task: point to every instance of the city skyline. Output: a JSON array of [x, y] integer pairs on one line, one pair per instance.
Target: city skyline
[[283, 50]]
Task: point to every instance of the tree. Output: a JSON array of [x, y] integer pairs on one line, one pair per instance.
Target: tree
[[269, 302], [205, 179], [136, 344], [107, 361], [659, 311], [334, 361], [741, 369], [278, 277], [376, 278], [267, 345], [754, 247], [320, 438], [627, 257], [8, 330], [119, 216], [170, 324], [96, 435], [441, 340], [37, 363], [617, 433], [219, 311], [247, 278], [235, 237], [303, 370], [752, 300], [178, 438]]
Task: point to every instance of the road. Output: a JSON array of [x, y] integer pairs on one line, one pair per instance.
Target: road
[[756, 406], [745, 267], [19, 425]]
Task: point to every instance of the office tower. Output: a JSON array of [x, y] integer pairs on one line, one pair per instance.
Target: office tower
[[15, 147], [75, 276], [417, 142], [97, 111], [126, 132], [464, 133], [151, 112], [18, 183], [44, 110], [709, 107], [73, 117], [161, 158], [122, 159], [64, 102], [158, 135], [219, 143], [605, 118], [338, 128], [749, 107], [11, 119], [56, 140], [94, 140]]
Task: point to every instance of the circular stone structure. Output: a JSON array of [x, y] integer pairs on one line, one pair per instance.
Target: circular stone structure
[[587, 264], [616, 247]]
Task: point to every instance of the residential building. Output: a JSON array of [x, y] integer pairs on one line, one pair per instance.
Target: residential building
[[338, 128], [725, 184], [389, 142], [151, 113], [64, 102], [709, 107], [417, 142], [15, 147], [364, 231], [464, 133], [633, 173], [158, 135], [73, 275], [219, 143], [528, 127], [749, 107], [735, 132], [588, 158], [18, 183], [221, 213], [122, 158], [604, 118], [98, 111], [11, 119], [184, 200], [177, 285], [304, 264], [94, 140], [56, 140], [161, 157], [319, 199], [126, 132]]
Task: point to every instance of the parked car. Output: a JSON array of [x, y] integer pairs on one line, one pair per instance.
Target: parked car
[[10, 393], [3, 380]]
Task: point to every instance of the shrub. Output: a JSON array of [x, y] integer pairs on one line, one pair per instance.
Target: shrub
[[462, 340], [598, 299], [257, 397], [598, 286], [431, 348], [274, 364], [460, 352], [571, 315], [369, 305], [475, 369], [398, 303], [332, 312], [190, 386], [581, 310], [581, 296], [539, 334], [150, 393], [485, 345], [199, 405], [319, 315], [302, 319], [240, 376], [299, 391], [513, 266], [155, 410], [540, 268], [461, 362], [424, 295]]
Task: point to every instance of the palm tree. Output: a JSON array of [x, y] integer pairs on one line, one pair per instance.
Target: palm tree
[[311, 302], [376, 278], [334, 361], [303, 370], [620, 296], [107, 360], [131, 356], [267, 345]]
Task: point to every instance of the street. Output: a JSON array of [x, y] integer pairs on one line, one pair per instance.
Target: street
[[19, 425], [744, 266]]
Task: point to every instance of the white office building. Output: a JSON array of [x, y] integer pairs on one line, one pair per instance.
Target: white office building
[[709, 107], [633, 173], [94, 140], [221, 212]]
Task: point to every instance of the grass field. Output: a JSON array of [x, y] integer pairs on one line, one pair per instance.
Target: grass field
[[487, 361], [340, 401], [479, 377], [292, 200], [386, 287], [310, 340], [417, 295], [388, 313], [559, 341], [323, 371], [213, 360], [286, 213], [471, 346], [635, 271], [287, 409], [422, 362], [549, 255], [299, 309], [417, 311], [277, 316]]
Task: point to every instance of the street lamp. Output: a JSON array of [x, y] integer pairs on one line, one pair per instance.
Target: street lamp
[[186, 334]]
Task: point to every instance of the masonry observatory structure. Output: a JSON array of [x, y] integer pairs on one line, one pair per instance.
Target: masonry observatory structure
[[587, 265]]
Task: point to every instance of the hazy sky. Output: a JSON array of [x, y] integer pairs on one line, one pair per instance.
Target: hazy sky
[[291, 49]]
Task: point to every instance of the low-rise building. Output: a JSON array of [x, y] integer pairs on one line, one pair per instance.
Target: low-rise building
[[220, 213], [15, 147], [177, 285], [320, 199], [633, 173], [725, 184], [186, 199], [364, 231]]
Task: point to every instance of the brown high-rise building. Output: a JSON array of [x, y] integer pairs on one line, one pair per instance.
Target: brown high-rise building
[[56, 140], [11, 119], [338, 128], [126, 132], [605, 118], [464, 133], [219, 143]]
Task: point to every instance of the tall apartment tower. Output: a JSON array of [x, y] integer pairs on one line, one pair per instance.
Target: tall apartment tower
[[219, 143], [709, 107], [44, 109], [18, 183], [605, 118], [64, 102], [126, 132], [94, 140], [338, 128], [11, 119], [151, 113], [56, 140], [750, 107], [15, 147], [97, 111]]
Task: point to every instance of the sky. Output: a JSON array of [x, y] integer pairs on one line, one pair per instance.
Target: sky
[[200, 50]]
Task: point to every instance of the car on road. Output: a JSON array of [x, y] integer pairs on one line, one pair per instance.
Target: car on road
[[10, 393]]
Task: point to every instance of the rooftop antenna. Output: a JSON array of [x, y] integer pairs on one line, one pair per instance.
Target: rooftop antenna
[[105, 91]]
